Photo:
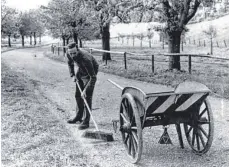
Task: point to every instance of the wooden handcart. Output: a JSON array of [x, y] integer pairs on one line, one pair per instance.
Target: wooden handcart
[[187, 105]]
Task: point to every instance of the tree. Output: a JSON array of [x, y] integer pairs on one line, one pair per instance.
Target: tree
[[57, 17], [68, 18], [140, 36], [24, 26], [8, 21], [105, 11], [176, 14], [36, 26], [211, 33], [150, 34]]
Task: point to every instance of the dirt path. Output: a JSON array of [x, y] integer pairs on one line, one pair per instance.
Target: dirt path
[[55, 91]]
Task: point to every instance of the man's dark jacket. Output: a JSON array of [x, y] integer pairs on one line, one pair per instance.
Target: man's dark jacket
[[87, 66]]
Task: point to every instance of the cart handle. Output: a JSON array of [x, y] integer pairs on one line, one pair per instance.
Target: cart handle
[[117, 85]]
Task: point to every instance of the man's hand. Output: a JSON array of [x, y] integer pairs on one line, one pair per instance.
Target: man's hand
[[83, 93], [74, 79]]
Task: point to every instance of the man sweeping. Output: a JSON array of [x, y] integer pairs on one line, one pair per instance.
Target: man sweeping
[[86, 77]]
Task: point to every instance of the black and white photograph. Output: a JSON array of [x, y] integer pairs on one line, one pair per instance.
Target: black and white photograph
[[114, 83]]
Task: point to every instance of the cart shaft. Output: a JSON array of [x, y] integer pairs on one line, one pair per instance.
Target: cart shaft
[[117, 85]]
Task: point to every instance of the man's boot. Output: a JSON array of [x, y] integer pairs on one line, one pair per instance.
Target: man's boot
[[79, 115], [85, 123]]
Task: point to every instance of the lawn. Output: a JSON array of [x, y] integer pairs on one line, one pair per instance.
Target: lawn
[[211, 72]]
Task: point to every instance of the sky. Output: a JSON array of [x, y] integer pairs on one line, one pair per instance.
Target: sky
[[24, 5]]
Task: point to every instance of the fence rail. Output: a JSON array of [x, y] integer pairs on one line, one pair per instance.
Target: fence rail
[[151, 57]]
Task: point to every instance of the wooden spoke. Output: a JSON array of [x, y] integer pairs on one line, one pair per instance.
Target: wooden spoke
[[202, 130], [201, 138], [189, 130], [134, 144], [125, 113], [126, 139], [135, 136], [203, 121], [124, 118], [202, 113], [197, 141], [133, 128], [129, 148], [193, 137], [126, 106], [130, 112]]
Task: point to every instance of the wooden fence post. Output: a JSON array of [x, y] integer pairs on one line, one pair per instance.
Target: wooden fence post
[[225, 43], [125, 60], [211, 46], [190, 64], [153, 63], [106, 59], [133, 40]]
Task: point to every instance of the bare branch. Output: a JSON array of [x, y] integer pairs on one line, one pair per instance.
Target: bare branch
[[193, 12], [184, 12], [166, 7]]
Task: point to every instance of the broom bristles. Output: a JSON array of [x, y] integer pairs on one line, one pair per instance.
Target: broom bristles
[[98, 135]]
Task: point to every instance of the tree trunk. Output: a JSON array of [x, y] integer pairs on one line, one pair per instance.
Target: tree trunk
[[30, 38], [81, 44], [163, 42], [141, 42], [64, 49], [23, 40], [40, 39], [174, 40], [9, 41], [67, 41], [34, 36], [211, 46], [75, 37], [106, 41]]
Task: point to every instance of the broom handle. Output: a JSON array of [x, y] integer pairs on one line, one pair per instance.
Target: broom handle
[[85, 102]]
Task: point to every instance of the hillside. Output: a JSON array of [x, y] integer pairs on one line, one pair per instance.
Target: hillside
[[221, 24], [195, 30]]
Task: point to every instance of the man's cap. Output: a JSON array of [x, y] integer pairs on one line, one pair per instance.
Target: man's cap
[[72, 47]]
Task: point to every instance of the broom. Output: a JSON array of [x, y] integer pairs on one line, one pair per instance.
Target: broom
[[95, 134]]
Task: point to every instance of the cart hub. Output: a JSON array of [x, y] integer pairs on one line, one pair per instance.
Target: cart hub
[[126, 127]]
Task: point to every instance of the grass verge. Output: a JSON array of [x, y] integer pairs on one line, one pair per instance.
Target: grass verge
[[30, 134], [213, 73]]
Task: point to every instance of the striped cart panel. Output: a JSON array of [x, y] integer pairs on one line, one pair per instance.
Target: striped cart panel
[[173, 102], [193, 99]]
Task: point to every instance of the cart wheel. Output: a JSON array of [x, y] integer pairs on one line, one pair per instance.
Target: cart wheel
[[199, 131], [130, 127]]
